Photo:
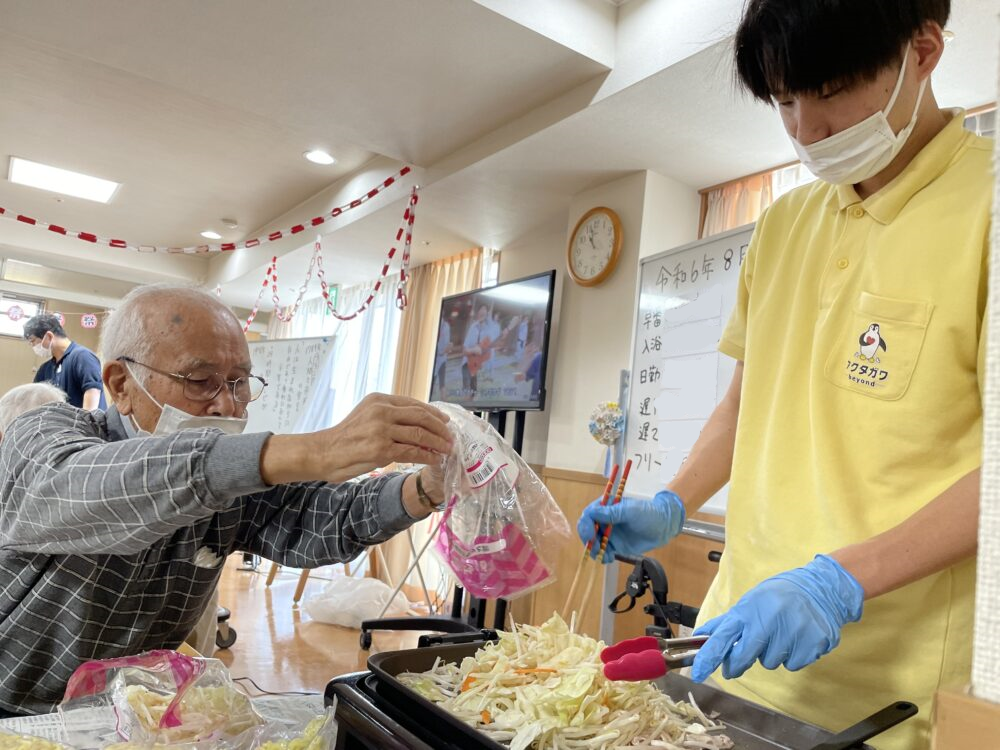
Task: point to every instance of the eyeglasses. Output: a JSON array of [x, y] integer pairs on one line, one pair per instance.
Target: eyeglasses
[[246, 389]]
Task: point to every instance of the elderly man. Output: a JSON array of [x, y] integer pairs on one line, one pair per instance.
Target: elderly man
[[114, 526], [24, 398]]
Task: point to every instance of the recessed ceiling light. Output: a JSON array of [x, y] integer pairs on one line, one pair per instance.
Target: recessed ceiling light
[[208, 234], [948, 35], [45, 177], [229, 223], [318, 156]]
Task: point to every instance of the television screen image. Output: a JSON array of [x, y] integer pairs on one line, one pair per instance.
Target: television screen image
[[492, 346]]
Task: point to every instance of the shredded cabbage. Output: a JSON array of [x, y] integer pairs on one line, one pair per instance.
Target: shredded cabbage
[[10, 741], [544, 688], [310, 739], [204, 712]]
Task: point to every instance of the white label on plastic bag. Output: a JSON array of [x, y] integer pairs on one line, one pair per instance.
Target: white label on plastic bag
[[483, 462], [486, 548], [124, 726]]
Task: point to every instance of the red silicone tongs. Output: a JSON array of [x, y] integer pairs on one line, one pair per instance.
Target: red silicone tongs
[[648, 657]]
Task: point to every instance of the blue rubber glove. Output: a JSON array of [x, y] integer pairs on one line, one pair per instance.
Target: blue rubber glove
[[791, 619], [638, 525]]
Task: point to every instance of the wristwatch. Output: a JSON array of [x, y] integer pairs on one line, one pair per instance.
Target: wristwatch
[[425, 499]]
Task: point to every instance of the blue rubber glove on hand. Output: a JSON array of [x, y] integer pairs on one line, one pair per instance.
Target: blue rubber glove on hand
[[791, 619], [638, 525]]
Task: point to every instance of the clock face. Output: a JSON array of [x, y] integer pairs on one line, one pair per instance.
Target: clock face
[[593, 246]]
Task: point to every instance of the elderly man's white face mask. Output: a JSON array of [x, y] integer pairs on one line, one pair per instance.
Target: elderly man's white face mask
[[174, 420]]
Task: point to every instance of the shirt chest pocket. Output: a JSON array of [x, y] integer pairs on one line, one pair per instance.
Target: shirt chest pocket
[[875, 346]]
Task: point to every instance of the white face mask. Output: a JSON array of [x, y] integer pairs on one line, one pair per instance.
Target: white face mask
[[174, 420], [862, 150], [41, 350]]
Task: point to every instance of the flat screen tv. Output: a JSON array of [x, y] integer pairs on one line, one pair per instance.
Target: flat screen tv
[[493, 345]]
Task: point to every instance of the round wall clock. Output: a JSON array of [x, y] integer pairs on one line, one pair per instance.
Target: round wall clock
[[594, 246]]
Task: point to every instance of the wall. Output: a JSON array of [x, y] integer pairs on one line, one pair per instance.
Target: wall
[[595, 331], [542, 249], [592, 333], [20, 362], [669, 216], [591, 341]]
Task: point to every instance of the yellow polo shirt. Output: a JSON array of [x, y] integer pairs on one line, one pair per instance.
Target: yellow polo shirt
[[860, 324]]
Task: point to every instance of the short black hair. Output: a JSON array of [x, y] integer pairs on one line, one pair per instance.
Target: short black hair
[[41, 324], [804, 46]]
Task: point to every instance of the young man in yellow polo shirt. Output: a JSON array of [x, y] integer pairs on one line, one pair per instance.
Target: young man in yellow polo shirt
[[854, 462]]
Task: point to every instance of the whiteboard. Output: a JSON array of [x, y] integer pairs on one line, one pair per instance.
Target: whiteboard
[[677, 375], [294, 370]]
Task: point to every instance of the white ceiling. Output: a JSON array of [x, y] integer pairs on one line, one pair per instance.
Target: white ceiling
[[202, 110], [184, 160], [411, 80]]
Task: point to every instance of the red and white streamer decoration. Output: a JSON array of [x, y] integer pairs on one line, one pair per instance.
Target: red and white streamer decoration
[[286, 313], [316, 221], [401, 300]]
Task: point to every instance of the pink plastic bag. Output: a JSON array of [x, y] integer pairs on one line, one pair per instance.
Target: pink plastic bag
[[165, 698], [91, 678], [501, 532]]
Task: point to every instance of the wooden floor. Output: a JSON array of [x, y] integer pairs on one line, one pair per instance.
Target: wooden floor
[[277, 643]]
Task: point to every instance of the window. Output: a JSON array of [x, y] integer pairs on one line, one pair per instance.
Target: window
[[786, 179], [29, 308], [983, 121], [734, 204], [491, 266], [364, 354]]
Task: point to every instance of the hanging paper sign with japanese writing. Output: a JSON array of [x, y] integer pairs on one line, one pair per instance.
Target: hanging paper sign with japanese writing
[[14, 312], [89, 320]]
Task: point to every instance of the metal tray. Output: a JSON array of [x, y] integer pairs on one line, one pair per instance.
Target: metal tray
[[751, 727]]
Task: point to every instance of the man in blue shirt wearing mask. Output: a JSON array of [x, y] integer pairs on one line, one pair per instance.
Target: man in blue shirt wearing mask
[[72, 368]]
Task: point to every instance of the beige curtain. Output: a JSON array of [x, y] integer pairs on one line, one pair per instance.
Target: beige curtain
[[737, 203], [427, 286]]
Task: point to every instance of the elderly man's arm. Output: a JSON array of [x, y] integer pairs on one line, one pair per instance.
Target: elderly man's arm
[[65, 490], [312, 524]]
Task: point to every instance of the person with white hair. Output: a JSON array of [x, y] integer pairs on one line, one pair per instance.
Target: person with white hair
[[114, 525], [23, 398]]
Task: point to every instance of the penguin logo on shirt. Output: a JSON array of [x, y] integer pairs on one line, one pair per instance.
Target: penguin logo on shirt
[[869, 343]]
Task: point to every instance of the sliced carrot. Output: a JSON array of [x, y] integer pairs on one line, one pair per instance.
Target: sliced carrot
[[536, 670], [487, 719], [468, 683]]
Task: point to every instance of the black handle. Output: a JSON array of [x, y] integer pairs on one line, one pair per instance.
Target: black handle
[[875, 724], [483, 635], [360, 732], [714, 556], [613, 605]]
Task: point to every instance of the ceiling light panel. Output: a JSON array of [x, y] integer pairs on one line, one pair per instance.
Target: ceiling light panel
[[63, 181]]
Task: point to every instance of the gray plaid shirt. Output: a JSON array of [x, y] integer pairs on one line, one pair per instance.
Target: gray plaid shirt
[[98, 534]]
